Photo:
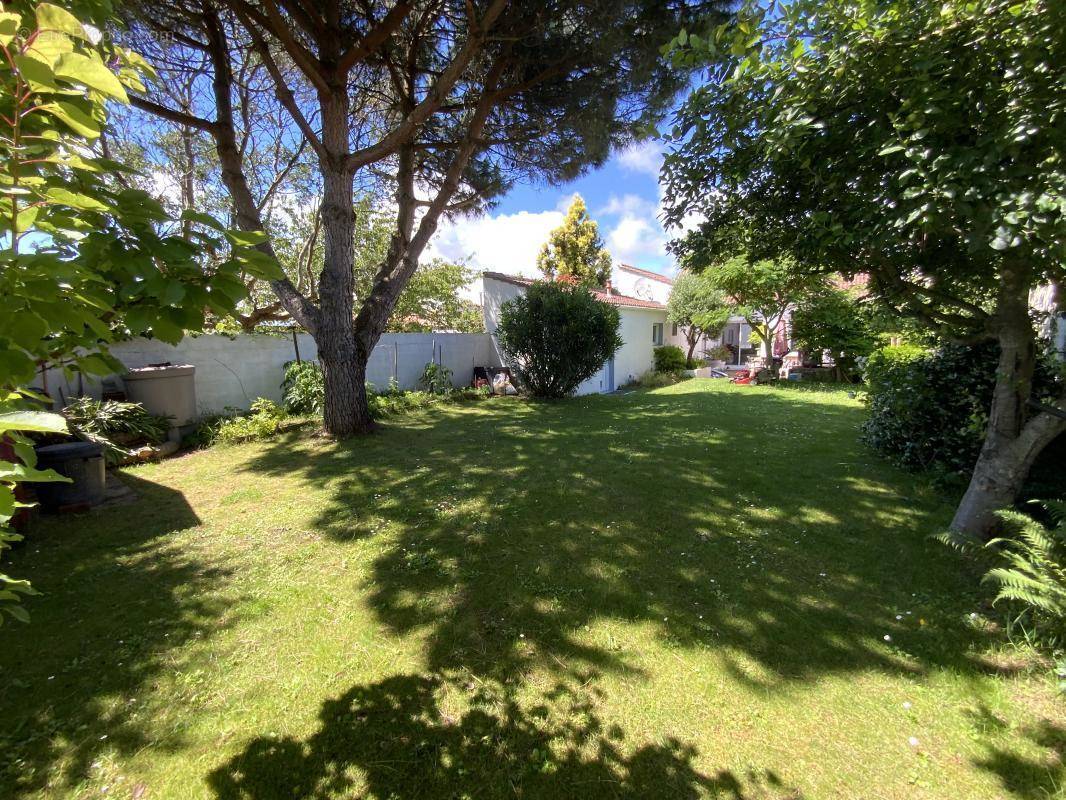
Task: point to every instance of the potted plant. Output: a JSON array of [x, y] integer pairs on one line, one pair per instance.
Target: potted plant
[[718, 355]]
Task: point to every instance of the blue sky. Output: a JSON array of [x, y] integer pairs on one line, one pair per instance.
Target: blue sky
[[622, 196]]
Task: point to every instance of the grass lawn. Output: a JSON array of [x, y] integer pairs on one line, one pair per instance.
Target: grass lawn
[[702, 591]]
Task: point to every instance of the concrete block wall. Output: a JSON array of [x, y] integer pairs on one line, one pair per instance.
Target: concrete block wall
[[234, 371]]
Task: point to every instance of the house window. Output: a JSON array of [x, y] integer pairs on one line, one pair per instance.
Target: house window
[[657, 333], [673, 330]]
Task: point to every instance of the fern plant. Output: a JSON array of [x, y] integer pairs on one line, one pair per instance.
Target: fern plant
[[1029, 572], [1033, 565]]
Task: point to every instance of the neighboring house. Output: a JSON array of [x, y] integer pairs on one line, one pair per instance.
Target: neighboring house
[[643, 327], [649, 285]]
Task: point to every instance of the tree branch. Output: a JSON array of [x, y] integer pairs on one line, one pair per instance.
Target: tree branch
[[436, 95], [374, 38], [274, 22], [282, 91], [246, 212], [173, 115]]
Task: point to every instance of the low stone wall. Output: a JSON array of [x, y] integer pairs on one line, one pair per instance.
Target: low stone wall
[[232, 371]]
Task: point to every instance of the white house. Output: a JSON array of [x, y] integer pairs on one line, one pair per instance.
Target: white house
[[648, 285], [643, 327]]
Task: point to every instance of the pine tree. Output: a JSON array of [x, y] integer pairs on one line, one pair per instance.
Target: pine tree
[[575, 250]]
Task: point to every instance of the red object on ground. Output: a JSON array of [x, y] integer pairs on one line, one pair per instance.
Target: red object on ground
[[743, 376]]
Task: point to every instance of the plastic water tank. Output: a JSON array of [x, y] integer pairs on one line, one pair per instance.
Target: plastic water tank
[[167, 389], [83, 463]]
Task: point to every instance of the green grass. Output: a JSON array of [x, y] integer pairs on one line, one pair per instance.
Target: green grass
[[678, 593]]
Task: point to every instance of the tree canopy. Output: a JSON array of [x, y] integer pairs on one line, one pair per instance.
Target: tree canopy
[[574, 250], [919, 143], [762, 291], [439, 106], [701, 308], [838, 322]]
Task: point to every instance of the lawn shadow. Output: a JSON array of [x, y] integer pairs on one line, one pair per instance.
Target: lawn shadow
[[1029, 778], [395, 739], [751, 525], [112, 609]]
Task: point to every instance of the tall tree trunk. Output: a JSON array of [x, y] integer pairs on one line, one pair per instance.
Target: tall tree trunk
[[693, 339], [1012, 442], [345, 410]]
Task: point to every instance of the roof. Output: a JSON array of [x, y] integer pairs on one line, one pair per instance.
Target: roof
[[645, 273], [613, 296]]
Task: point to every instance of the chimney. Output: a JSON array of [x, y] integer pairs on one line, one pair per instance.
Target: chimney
[[607, 286]]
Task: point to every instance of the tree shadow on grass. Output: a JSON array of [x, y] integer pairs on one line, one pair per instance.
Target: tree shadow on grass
[[114, 605], [394, 739], [748, 524], [1027, 777]]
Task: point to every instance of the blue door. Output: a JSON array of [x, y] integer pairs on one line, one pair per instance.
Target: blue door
[[610, 374]]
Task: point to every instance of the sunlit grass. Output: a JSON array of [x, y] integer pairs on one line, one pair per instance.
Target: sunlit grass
[[705, 590]]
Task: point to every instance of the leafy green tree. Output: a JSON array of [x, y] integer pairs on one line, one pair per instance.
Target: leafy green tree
[[432, 300], [557, 335], [762, 291], [574, 250], [82, 263], [442, 105], [836, 321], [699, 307], [920, 143]]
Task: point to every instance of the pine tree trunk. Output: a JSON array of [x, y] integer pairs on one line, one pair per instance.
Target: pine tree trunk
[[345, 410], [1012, 442]]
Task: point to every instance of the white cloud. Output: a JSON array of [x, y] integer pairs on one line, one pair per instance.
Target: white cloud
[[643, 157], [628, 205], [506, 243], [636, 238], [164, 185]]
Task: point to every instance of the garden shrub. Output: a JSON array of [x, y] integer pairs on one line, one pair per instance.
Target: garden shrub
[[204, 431], [436, 378], [669, 358], [115, 425], [304, 388], [929, 409], [395, 401], [557, 335], [262, 422], [653, 379]]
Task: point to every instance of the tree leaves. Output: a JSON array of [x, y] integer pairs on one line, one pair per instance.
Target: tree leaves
[[90, 72], [33, 421], [75, 118], [53, 18]]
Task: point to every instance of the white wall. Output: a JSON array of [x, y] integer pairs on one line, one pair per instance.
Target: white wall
[[636, 356], [234, 371], [494, 293], [633, 285]]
